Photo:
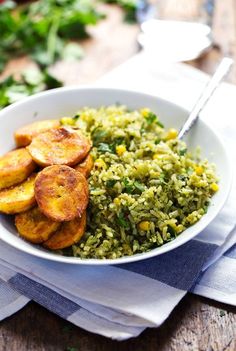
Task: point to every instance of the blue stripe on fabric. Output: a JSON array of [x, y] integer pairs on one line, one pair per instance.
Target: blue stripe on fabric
[[231, 252], [7, 294], [179, 268], [44, 296]]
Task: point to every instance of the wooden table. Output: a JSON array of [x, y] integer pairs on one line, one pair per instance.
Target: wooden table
[[196, 323]]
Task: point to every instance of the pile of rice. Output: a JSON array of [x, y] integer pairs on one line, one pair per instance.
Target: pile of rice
[[145, 188]]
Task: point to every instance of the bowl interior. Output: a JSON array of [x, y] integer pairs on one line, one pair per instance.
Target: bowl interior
[[66, 102]]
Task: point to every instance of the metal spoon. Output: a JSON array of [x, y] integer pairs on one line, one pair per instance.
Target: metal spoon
[[207, 92]]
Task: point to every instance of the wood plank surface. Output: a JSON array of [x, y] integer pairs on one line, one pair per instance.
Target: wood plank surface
[[197, 323]]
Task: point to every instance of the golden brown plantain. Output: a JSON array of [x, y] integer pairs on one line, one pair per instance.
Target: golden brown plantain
[[18, 198], [34, 226], [61, 193], [24, 135], [86, 166], [61, 146], [15, 166], [69, 234]]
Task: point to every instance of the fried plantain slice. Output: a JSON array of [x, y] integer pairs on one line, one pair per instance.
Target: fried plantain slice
[[61, 146], [34, 226], [61, 193], [68, 234], [24, 135], [86, 166], [15, 166], [18, 198]]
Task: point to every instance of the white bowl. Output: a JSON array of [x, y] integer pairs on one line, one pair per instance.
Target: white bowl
[[173, 41], [66, 102]]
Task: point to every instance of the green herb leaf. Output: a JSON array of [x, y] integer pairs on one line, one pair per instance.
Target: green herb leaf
[[50, 81], [140, 187], [103, 147], [43, 29], [222, 313], [98, 135], [76, 117], [110, 183], [128, 186], [129, 7], [181, 177], [160, 124], [122, 221], [182, 152], [157, 141], [31, 81], [72, 52], [151, 117], [172, 231]]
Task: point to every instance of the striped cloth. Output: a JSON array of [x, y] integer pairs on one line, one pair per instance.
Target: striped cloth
[[121, 301]]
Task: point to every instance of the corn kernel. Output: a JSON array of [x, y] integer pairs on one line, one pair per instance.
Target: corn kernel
[[145, 112], [155, 156], [199, 170], [120, 149], [99, 163], [67, 121], [214, 187], [144, 225], [171, 134], [116, 201]]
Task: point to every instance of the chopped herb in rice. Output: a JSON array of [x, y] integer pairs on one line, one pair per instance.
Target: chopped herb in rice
[[145, 188]]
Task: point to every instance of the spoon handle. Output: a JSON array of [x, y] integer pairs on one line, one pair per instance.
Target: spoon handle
[[207, 92]]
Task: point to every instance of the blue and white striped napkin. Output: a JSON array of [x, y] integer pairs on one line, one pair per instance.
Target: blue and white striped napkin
[[121, 301]]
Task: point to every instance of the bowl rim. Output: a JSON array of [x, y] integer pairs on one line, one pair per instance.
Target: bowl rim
[[33, 250]]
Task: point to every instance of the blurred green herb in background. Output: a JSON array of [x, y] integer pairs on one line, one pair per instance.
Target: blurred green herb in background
[[42, 29], [31, 81], [47, 31], [129, 7]]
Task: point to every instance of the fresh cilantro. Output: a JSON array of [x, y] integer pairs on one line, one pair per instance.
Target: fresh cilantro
[[162, 177], [160, 124], [110, 183], [72, 52], [98, 135], [151, 118], [43, 29], [103, 147], [129, 7], [181, 177], [222, 313], [172, 231], [140, 187], [132, 187], [121, 221], [189, 170], [31, 82], [76, 117], [50, 81], [205, 208], [182, 152], [157, 141], [128, 186]]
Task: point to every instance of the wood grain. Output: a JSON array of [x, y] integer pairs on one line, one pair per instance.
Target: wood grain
[[197, 324], [224, 38]]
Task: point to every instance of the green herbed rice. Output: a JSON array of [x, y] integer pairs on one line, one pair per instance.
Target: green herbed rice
[[145, 187]]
